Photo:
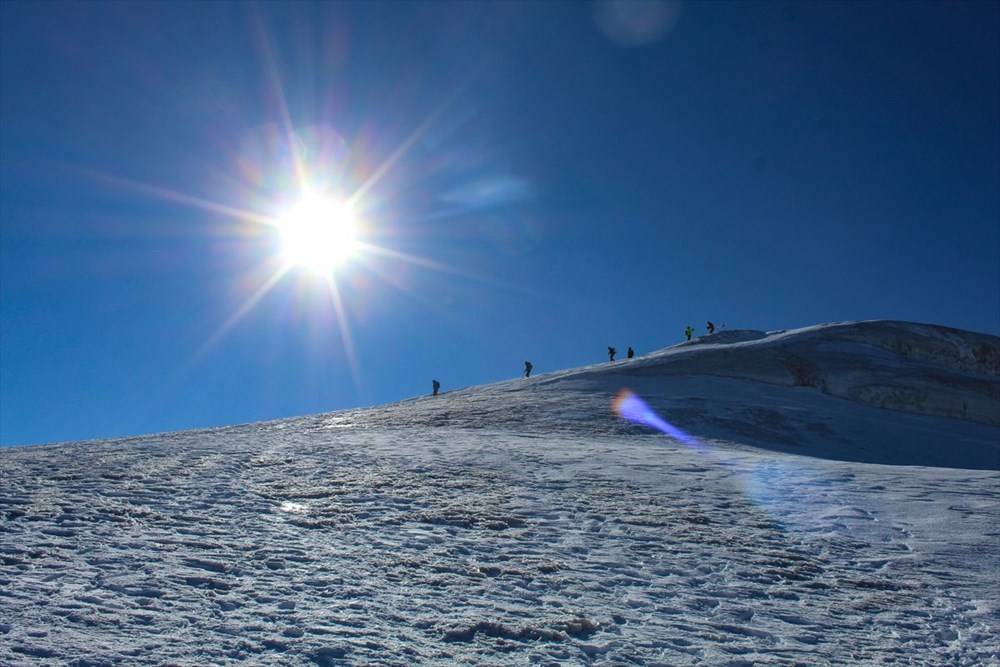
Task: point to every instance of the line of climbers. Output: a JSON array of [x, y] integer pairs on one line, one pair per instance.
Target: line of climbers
[[436, 386]]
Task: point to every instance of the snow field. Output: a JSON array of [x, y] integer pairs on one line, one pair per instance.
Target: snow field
[[524, 523], [462, 547]]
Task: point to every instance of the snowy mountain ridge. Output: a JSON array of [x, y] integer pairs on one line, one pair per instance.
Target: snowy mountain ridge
[[815, 498], [920, 368], [778, 390]]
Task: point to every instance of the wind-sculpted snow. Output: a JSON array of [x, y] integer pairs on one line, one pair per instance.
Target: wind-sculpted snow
[[522, 523], [918, 368], [313, 543]]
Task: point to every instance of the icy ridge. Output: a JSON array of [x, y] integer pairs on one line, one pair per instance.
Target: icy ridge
[[919, 368]]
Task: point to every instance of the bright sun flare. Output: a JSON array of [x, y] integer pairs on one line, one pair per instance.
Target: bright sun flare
[[319, 233]]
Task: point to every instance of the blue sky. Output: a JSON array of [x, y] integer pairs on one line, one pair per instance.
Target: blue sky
[[531, 181]]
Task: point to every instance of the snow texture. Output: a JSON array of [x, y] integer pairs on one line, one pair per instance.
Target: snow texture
[[835, 501]]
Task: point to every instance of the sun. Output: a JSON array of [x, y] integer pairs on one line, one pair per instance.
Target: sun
[[318, 233]]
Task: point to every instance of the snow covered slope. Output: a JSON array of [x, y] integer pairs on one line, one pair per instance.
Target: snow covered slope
[[773, 391], [832, 497]]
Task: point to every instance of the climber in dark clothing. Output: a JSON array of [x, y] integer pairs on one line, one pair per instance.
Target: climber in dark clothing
[[611, 353], [436, 385], [631, 352], [527, 369], [711, 328]]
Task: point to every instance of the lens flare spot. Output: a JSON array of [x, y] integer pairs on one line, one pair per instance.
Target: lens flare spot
[[636, 22], [632, 408]]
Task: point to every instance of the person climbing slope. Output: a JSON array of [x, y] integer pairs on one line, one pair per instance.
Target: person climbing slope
[[527, 369]]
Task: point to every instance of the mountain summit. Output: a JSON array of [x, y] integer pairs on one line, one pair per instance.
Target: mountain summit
[[810, 391]]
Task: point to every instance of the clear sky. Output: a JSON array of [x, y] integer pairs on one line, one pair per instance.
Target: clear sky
[[527, 181]]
